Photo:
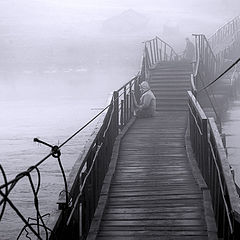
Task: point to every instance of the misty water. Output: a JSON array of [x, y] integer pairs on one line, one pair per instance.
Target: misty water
[[231, 128], [51, 104]]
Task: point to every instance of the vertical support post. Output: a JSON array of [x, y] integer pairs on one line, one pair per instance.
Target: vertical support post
[[85, 206], [81, 209], [206, 166], [116, 111], [196, 48], [127, 108], [165, 52], [171, 54], [151, 51], [160, 54], [155, 49], [122, 113], [130, 104], [147, 65], [125, 105]]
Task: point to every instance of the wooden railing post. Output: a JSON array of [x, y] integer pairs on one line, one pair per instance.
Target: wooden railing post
[[206, 167], [125, 106], [165, 52], [116, 111], [130, 99], [151, 52], [157, 50], [122, 114]]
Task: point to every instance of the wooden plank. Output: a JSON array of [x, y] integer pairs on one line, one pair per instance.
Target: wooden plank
[[154, 233], [153, 131], [154, 175], [163, 180], [156, 203], [154, 228], [155, 210], [150, 155], [152, 144], [163, 189], [148, 188], [144, 172], [159, 168], [154, 198], [155, 222], [153, 238], [154, 192], [153, 216]]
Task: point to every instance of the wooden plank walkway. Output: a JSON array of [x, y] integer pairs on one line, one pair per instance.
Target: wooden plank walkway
[[153, 192]]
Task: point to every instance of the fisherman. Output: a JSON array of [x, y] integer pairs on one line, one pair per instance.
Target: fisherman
[[189, 50], [147, 106]]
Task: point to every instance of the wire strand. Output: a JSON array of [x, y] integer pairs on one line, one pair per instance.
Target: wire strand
[[208, 85]]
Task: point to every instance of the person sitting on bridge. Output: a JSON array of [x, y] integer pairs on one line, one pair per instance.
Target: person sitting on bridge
[[189, 50], [147, 106]]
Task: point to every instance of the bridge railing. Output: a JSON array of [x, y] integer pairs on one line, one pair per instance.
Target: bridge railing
[[86, 179], [225, 42], [212, 161], [205, 71], [79, 199], [205, 67], [156, 50], [226, 32]]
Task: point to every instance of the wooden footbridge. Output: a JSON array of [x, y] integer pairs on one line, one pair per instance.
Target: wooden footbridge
[[165, 177], [153, 193]]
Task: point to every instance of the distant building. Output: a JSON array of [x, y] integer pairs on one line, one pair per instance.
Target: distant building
[[128, 21]]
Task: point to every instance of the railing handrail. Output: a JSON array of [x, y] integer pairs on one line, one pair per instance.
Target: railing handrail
[[223, 28], [212, 161], [95, 143], [197, 106], [225, 42], [206, 64], [207, 42], [126, 84], [158, 38], [234, 198], [157, 50]]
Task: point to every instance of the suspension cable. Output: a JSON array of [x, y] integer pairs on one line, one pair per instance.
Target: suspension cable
[[79, 130], [208, 85], [24, 173]]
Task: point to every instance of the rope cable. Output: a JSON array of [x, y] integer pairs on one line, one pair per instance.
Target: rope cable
[[24, 173], [231, 66]]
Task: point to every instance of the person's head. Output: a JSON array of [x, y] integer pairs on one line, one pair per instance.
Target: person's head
[[187, 39], [144, 86]]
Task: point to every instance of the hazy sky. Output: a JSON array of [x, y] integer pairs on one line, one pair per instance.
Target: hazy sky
[[31, 21], [54, 32], [32, 11]]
